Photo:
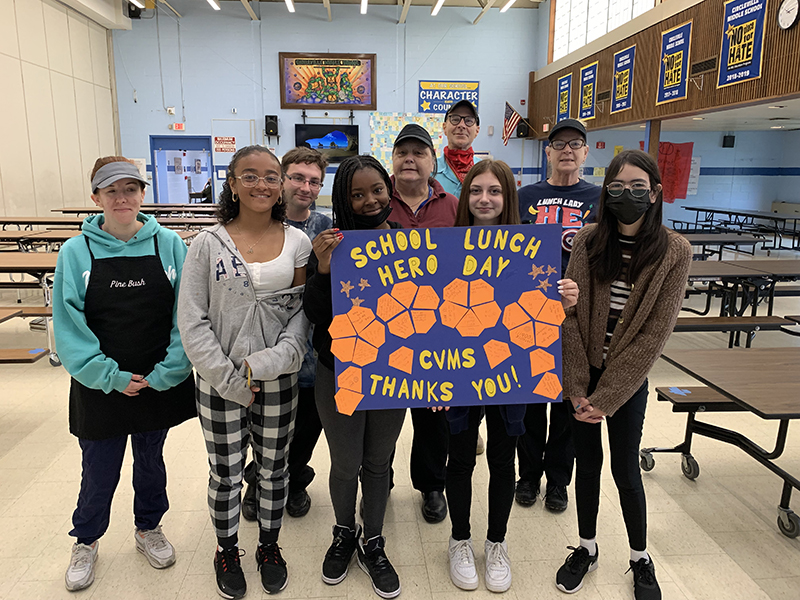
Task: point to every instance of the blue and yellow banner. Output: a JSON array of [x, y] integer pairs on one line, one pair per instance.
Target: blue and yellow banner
[[740, 57], [564, 97], [675, 57], [588, 91], [622, 86], [439, 96], [452, 316]]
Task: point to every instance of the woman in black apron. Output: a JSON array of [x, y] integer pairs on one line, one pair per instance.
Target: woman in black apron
[[114, 301]]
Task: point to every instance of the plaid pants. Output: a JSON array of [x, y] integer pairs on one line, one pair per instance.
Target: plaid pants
[[228, 428]]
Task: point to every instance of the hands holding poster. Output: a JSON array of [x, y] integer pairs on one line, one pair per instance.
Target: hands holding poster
[[447, 316]]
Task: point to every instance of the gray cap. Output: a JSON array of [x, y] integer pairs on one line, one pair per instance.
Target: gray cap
[[112, 172]]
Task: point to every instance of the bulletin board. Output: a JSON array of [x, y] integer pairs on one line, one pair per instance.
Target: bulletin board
[[384, 127]]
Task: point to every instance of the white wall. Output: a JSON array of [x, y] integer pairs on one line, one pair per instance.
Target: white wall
[[56, 105]]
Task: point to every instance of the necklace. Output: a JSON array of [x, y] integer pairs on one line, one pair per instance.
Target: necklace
[[241, 235]]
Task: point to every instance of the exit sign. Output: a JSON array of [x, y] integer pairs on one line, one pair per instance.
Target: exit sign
[[178, 127]]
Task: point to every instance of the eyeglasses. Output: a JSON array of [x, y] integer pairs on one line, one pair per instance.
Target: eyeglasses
[[638, 190], [456, 119], [250, 181], [300, 181], [561, 144]]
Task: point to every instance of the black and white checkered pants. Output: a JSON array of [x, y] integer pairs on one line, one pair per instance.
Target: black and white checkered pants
[[268, 426]]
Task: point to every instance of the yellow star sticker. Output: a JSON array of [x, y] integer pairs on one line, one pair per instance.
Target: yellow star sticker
[[363, 284], [356, 301], [536, 271], [729, 33], [426, 105], [544, 284], [346, 287], [550, 270], [617, 74]]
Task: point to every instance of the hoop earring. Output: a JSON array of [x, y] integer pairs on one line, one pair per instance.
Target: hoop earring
[[280, 201], [235, 197]]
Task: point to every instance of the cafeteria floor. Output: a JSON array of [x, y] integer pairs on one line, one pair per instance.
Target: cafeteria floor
[[714, 538]]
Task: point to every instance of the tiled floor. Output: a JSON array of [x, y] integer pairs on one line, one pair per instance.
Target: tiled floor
[[714, 538]]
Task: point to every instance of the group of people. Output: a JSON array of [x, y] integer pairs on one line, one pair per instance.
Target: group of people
[[248, 307]]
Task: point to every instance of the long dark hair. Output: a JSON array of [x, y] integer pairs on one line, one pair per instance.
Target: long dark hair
[[228, 209], [340, 195], [605, 252], [510, 213]]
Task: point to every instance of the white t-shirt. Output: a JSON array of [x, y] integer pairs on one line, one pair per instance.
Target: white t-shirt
[[278, 273]]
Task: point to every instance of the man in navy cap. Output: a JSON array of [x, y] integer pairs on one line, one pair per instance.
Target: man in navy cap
[[461, 126]]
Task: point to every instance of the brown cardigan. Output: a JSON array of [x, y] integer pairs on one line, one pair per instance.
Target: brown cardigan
[[641, 332]]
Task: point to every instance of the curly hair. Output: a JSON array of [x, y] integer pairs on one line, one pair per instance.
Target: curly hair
[[228, 208], [340, 196]]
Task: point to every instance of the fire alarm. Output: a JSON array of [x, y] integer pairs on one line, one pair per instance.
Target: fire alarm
[[545, 127], [522, 102]]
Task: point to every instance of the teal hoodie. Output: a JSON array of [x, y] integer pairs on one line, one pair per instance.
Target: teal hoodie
[[78, 348]]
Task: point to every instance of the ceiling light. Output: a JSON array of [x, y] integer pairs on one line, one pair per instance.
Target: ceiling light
[[364, 6], [642, 126], [777, 127], [290, 5], [137, 3], [507, 6], [437, 7], [776, 106], [698, 118]]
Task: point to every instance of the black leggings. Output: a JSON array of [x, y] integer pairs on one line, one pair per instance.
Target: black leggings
[[500, 450], [624, 437]]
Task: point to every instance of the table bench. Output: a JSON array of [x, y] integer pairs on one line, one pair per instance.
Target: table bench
[[18, 355], [732, 325]]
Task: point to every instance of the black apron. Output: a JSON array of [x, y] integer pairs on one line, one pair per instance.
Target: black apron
[[129, 305]]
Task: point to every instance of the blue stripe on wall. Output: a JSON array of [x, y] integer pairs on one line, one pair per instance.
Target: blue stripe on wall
[[751, 171]]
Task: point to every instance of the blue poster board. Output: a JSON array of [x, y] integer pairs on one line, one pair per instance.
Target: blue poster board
[[675, 57], [623, 80], [742, 42], [588, 91], [564, 97], [447, 317], [439, 96]]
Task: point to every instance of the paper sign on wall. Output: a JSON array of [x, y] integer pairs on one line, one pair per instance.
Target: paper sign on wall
[[447, 317], [694, 177], [675, 57], [564, 97], [742, 42], [588, 91], [439, 96], [622, 85], [224, 144]]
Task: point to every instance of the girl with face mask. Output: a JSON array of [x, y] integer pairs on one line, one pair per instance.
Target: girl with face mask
[[632, 271]]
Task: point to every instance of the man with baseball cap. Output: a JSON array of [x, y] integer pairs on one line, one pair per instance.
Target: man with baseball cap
[[566, 199], [461, 126]]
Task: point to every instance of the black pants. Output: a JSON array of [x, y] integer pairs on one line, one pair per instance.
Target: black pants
[[500, 449], [624, 437], [550, 454], [429, 450]]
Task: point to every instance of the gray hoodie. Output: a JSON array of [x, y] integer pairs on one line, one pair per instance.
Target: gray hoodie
[[222, 323]]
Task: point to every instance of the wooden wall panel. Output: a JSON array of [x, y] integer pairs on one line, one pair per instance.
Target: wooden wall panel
[[780, 72]]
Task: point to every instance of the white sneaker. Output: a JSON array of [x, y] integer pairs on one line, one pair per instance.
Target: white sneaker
[[80, 573], [462, 564], [154, 545], [498, 566]]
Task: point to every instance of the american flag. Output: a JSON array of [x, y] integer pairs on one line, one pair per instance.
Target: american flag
[[510, 122]]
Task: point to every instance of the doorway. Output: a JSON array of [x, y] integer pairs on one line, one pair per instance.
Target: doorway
[[182, 165]]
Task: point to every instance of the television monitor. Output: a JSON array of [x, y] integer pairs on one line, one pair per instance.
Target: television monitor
[[335, 142]]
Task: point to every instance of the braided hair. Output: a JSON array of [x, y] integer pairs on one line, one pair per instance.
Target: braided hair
[[228, 208], [340, 197]]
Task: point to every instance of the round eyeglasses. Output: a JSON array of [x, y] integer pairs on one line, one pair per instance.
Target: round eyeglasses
[[456, 119], [638, 190], [300, 181], [250, 181], [561, 144]]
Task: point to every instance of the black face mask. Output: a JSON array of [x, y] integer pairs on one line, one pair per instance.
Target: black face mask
[[372, 221], [627, 208]]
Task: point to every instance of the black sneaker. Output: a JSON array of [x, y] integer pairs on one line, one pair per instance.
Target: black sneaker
[[526, 493], [372, 560], [645, 586], [250, 502], [338, 557], [555, 498], [298, 504], [274, 575], [230, 578], [570, 576]]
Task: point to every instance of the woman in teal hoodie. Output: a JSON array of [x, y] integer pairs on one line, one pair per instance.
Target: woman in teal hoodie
[[114, 315]]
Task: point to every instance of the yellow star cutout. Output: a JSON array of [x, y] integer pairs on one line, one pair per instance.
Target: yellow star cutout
[[544, 284], [551, 270], [536, 271], [363, 284], [346, 287], [665, 60], [426, 105], [356, 301], [729, 33]]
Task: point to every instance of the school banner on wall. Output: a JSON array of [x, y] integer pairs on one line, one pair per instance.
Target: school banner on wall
[[675, 55], [742, 42], [564, 97], [447, 317], [588, 91], [439, 96], [623, 80]]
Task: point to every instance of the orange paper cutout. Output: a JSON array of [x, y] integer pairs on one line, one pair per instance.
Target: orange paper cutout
[[549, 386], [375, 334], [552, 313], [456, 292], [487, 314], [347, 401], [402, 359], [364, 353], [341, 327], [350, 379], [470, 325], [360, 317], [480, 292], [532, 302], [541, 361], [423, 320], [522, 336], [401, 326], [546, 334], [426, 298], [404, 292], [451, 314], [514, 316], [388, 308], [343, 348], [496, 352]]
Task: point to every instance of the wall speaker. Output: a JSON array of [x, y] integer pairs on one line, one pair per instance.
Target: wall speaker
[[271, 124], [522, 129], [728, 141], [134, 12]]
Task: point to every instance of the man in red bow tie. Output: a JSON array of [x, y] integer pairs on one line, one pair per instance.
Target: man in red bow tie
[[461, 125]]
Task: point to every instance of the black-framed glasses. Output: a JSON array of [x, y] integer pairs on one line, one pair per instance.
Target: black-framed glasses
[[250, 180], [300, 181], [456, 119], [638, 190], [561, 144]]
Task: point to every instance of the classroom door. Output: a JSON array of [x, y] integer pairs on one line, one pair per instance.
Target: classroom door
[[182, 166], [229, 135]]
